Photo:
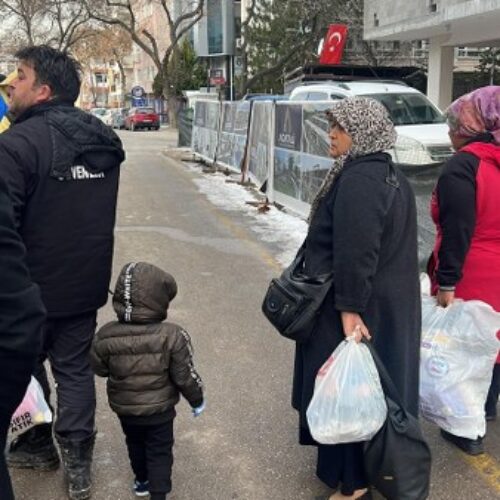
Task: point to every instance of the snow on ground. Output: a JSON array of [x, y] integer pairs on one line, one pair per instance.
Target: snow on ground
[[285, 231]]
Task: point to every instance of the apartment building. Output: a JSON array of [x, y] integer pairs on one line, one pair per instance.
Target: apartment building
[[446, 24]]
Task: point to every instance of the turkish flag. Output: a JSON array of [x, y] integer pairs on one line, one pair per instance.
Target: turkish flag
[[333, 44]]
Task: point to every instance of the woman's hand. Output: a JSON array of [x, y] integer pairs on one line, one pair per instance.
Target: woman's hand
[[354, 325], [445, 298]]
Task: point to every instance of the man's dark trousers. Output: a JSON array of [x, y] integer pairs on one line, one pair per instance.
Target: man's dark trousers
[[6, 492], [66, 343], [150, 452]]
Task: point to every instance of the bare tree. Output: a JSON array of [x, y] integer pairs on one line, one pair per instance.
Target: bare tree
[[58, 23], [250, 15], [98, 49], [124, 14]]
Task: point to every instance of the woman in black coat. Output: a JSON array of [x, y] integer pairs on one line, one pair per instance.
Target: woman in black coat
[[363, 226]]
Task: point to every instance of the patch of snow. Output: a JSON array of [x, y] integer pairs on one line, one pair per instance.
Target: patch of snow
[[283, 230]]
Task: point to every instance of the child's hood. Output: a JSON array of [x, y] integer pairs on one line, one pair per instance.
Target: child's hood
[[143, 293]]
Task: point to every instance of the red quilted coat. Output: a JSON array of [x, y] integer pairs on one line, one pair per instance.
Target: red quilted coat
[[467, 250]]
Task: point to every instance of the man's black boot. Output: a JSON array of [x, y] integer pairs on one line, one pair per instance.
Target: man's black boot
[[470, 446], [76, 457], [34, 449]]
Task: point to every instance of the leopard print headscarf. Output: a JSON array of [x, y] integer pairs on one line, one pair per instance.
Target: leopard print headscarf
[[371, 130]]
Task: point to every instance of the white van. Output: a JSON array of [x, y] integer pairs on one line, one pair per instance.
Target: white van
[[422, 130]]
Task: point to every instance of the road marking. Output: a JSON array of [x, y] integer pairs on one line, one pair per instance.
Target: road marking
[[487, 467]]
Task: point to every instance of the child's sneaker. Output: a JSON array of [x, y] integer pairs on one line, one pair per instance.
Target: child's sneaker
[[141, 489]]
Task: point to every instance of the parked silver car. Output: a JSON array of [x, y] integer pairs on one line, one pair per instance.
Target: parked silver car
[[118, 118]]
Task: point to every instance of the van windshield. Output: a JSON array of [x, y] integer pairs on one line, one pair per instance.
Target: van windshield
[[409, 109]]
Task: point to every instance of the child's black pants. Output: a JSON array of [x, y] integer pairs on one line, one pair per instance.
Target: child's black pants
[[150, 453]]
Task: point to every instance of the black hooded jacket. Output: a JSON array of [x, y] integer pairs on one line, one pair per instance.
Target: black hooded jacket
[[149, 363], [62, 168]]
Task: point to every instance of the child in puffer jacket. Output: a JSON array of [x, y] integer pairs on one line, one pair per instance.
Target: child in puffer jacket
[[149, 363]]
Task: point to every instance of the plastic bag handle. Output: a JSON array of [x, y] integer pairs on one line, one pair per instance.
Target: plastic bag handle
[[388, 385]]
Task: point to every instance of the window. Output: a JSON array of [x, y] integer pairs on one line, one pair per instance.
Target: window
[[214, 26], [300, 96], [375, 20], [146, 111], [433, 6], [409, 109], [101, 78], [317, 96], [237, 27]]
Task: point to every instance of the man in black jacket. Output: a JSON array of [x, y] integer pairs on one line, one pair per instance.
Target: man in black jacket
[[21, 318], [62, 167]]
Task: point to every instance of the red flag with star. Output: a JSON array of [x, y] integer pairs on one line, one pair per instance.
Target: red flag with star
[[333, 45]]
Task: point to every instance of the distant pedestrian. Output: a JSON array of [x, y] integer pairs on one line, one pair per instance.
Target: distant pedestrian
[[21, 320], [363, 228], [5, 81], [465, 207], [149, 363], [62, 167]]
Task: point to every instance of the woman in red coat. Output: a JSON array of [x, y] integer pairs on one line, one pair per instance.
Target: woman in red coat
[[466, 210]]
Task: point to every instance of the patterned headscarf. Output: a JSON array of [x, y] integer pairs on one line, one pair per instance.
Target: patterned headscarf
[[476, 113], [371, 130]]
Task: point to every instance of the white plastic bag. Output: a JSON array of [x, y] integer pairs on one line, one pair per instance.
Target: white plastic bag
[[32, 411], [348, 404], [458, 352]]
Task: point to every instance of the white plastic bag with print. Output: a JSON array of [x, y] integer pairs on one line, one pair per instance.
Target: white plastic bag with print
[[458, 353], [348, 403], [32, 411]]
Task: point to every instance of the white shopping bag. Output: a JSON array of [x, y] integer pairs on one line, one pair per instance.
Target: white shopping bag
[[348, 404], [32, 411], [458, 352]]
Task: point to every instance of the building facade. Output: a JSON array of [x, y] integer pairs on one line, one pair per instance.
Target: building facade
[[446, 24], [104, 85]]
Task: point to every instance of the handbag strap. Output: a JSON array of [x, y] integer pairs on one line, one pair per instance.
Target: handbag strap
[[388, 385], [392, 178]]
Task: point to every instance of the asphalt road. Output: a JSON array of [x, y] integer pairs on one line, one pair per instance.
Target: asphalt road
[[245, 445]]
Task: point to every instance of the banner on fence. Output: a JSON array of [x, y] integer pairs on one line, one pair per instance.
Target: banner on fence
[[285, 146], [233, 134], [260, 142], [301, 153], [206, 129]]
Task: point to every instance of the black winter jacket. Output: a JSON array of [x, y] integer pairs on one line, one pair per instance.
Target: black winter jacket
[[21, 314], [148, 363], [62, 168]]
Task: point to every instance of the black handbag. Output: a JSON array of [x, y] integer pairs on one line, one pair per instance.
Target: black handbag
[[293, 300], [397, 459]]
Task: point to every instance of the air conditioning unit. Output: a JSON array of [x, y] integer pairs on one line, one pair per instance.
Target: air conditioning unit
[[239, 43]]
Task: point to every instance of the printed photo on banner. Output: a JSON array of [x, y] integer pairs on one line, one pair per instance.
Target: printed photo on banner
[[242, 118], [260, 142], [287, 178], [315, 129], [288, 133]]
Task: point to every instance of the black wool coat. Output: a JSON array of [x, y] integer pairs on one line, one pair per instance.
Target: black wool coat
[[365, 230]]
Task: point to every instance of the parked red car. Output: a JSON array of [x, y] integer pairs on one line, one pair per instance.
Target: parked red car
[[142, 118]]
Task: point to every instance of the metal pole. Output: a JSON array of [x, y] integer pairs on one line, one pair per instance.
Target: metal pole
[[232, 77]]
